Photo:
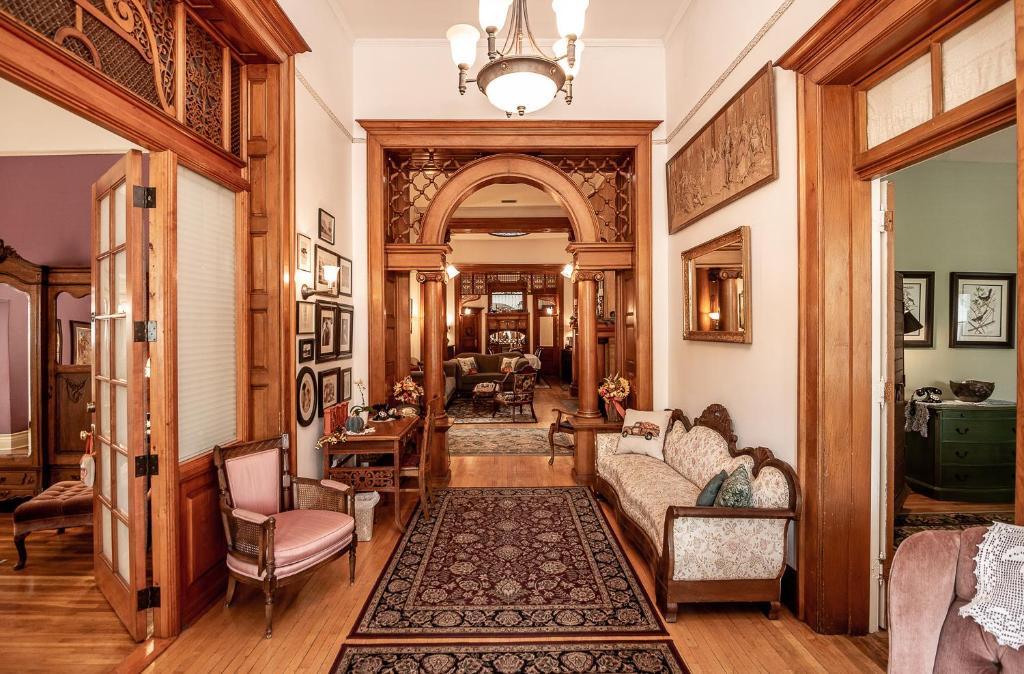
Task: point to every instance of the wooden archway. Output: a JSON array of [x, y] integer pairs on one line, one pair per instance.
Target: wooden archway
[[510, 168]]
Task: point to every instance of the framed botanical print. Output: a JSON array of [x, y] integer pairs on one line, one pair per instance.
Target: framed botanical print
[[981, 310], [322, 258], [345, 276], [345, 315], [346, 384], [326, 332], [918, 309], [305, 319], [306, 396], [303, 253], [330, 388], [326, 227], [307, 350], [81, 342]]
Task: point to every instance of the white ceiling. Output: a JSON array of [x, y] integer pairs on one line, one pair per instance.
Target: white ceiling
[[521, 194], [606, 19], [996, 148]]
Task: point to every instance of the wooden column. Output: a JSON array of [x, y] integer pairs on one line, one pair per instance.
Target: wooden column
[[586, 349], [433, 363]]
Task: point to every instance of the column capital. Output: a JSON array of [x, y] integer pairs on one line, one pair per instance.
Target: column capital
[[431, 275], [587, 275]]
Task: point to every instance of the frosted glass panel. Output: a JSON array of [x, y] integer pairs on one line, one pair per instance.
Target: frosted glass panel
[[900, 102], [121, 338], [207, 341], [104, 285], [979, 58], [104, 388], [122, 482], [120, 283], [119, 214], [105, 470], [102, 350], [123, 550], [105, 223], [108, 543], [121, 421]]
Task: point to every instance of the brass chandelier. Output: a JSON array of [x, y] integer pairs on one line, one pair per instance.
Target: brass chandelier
[[520, 77]]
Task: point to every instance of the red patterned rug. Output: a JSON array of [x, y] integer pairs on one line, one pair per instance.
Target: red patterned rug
[[524, 561], [623, 657]]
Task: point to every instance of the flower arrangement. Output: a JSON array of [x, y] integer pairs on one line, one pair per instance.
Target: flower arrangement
[[407, 391], [614, 389]]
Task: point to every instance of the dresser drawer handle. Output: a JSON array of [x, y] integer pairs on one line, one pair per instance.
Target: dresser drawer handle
[[961, 454], [963, 431], [960, 477]]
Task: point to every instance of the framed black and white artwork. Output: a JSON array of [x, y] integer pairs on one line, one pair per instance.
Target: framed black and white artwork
[[306, 396], [981, 310], [345, 315], [326, 227], [330, 388], [344, 276], [303, 253], [918, 309], [346, 384], [322, 280], [307, 350], [305, 318], [326, 332]]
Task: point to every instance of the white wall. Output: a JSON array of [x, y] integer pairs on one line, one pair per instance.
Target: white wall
[[757, 382], [323, 177]]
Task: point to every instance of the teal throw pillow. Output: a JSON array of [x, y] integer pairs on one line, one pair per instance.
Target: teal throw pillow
[[710, 490], [736, 491]]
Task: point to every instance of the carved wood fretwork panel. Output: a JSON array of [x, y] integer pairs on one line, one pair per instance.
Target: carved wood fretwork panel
[[204, 82], [482, 283], [414, 178]]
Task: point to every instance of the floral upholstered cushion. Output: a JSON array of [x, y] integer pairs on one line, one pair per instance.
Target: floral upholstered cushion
[[650, 487], [736, 491], [709, 548], [699, 454], [509, 364], [468, 365]]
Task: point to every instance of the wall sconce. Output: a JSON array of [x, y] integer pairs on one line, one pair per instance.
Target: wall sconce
[[330, 275], [715, 317], [568, 269], [467, 311], [550, 311], [452, 271]]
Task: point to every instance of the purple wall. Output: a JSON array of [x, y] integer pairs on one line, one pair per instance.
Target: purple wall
[[5, 372], [45, 205], [15, 352], [71, 309]]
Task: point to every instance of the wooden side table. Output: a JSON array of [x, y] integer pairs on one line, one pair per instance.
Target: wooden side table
[[384, 446]]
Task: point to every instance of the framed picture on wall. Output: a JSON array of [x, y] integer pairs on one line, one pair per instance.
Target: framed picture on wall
[[306, 396], [326, 227], [307, 350], [81, 342], [345, 276], [303, 252], [345, 316], [330, 388], [326, 332], [346, 384], [323, 258], [981, 310], [918, 309], [305, 318]]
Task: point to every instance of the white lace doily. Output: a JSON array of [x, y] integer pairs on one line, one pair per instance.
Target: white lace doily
[[998, 604]]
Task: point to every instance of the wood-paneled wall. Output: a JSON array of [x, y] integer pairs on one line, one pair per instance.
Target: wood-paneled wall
[[201, 546]]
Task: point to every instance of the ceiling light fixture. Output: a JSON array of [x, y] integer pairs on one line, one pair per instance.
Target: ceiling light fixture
[[520, 78], [452, 271], [508, 234]]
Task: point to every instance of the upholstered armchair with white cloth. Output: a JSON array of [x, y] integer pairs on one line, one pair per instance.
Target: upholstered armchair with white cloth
[[702, 553]]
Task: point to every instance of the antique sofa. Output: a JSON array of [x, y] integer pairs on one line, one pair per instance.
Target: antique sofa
[[451, 378], [702, 554], [932, 577], [488, 368]]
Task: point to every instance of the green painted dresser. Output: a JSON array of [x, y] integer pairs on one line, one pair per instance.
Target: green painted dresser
[[969, 454]]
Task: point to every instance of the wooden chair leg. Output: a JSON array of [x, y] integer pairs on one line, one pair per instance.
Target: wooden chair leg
[[232, 586], [19, 543], [352, 561], [268, 609]]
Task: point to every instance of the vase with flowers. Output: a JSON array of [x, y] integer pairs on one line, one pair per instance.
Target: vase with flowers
[[407, 391], [614, 389]]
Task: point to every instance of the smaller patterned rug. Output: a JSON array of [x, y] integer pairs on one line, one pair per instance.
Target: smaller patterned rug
[[507, 441], [465, 411], [911, 523], [625, 657]]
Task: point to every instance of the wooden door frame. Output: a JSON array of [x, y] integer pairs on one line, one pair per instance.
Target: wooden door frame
[[263, 180], [856, 43]]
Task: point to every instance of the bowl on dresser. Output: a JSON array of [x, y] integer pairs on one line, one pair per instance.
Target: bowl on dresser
[[972, 390]]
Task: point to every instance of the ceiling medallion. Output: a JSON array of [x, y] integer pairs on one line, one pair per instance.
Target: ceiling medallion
[[520, 78], [508, 234]]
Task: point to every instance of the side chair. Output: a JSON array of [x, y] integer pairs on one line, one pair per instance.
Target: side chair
[[279, 528], [413, 471]]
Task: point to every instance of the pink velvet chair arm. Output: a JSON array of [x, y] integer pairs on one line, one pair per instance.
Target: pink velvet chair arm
[[921, 590]]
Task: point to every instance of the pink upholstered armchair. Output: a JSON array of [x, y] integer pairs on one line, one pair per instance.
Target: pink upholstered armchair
[[932, 577], [279, 528]]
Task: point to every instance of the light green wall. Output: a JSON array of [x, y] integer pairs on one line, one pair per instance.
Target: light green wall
[[957, 216]]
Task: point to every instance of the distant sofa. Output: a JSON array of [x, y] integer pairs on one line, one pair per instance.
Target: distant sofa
[[701, 553], [488, 368], [451, 377]]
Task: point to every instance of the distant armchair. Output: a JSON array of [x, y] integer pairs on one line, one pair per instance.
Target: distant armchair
[[279, 528]]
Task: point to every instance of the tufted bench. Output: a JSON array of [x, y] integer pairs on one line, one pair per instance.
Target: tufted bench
[[65, 504]]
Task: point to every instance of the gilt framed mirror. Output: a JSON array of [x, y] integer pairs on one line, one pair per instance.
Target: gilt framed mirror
[[716, 289]]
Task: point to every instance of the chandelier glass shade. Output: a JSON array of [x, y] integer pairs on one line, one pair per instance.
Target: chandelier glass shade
[[520, 77]]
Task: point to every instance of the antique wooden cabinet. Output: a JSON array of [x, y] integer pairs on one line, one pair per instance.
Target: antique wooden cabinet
[[969, 454]]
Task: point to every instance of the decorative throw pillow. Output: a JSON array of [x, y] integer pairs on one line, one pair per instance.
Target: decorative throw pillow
[[711, 489], [468, 365], [644, 433], [736, 491], [509, 364]]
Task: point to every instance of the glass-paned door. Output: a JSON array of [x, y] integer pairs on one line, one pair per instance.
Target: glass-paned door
[[119, 389]]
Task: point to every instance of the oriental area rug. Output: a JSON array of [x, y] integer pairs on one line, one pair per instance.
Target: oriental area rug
[[910, 523], [467, 411], [623, 657], [511, 562], [504, 441]]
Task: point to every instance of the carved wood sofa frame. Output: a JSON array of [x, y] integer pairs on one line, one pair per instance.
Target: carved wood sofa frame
[[670, 593], [254, 543]]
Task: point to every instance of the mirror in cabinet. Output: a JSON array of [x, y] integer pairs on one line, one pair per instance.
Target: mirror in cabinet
[[716, 289], [20, 390], [69, 358]]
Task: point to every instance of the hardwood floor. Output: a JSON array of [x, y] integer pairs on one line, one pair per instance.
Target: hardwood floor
[[919, 503]]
